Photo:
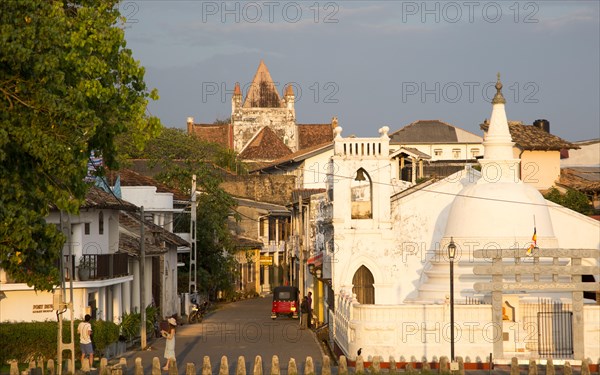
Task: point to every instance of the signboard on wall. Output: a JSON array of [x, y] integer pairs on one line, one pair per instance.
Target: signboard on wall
[[266, 260]]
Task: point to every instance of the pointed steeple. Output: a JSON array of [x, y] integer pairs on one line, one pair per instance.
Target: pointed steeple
[[498, 144], [237, 90], [262, 92], [289, 91]]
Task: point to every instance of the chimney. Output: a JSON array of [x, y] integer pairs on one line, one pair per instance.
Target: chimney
[[542, 125], [190, 125]]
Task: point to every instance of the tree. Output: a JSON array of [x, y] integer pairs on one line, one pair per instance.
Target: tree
[[178, 156], [573, 199], [68, 86]]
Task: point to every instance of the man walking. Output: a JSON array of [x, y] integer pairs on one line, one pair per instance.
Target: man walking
[[85, 340]]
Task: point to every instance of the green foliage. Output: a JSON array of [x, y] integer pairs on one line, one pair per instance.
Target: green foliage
[[104, 333], [174, 150], [179, 156], [130, 322], [68, 86], [130, 325], [572, 199], [26, 341]]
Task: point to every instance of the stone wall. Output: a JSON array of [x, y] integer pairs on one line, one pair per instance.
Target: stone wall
[[276, 189]]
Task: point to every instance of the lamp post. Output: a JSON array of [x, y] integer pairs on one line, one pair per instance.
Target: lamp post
[[451, 255]]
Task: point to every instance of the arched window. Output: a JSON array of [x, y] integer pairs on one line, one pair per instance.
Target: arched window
[[101, 223], [361, 195], [362, 286]]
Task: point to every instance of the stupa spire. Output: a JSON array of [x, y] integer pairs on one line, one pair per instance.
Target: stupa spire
[[498, 98], [498, 144]]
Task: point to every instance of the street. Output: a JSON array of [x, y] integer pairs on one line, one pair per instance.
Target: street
[[242, 328]]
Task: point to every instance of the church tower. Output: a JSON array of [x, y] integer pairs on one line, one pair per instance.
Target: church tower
[[263, 110]]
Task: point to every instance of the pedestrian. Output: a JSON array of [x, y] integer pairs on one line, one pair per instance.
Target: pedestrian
[[170, 345], [309, 321], [84, 329], [304, 313]]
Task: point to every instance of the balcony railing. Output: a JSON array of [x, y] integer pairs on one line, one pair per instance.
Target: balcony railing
[[102, 266]]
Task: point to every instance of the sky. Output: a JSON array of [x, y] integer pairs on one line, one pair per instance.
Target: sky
[[375, 63]]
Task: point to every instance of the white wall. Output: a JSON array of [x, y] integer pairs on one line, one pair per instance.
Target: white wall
[[466, 150], [148, 197], [587, 155], [540, 169], [313, 174]]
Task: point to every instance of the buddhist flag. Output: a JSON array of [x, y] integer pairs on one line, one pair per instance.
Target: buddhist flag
[[534, 244]]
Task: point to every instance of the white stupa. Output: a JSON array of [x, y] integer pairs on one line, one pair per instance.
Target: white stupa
[[496, 211]]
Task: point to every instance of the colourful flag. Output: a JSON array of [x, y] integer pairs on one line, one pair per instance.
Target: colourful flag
[[534, 244]]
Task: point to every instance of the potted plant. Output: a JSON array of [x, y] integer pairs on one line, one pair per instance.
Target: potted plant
[[85, 268]]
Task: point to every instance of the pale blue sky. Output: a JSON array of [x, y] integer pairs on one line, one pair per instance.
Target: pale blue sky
[[375, 63]]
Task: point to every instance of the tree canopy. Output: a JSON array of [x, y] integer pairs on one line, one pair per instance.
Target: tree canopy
[[68, 86], [178, 156]]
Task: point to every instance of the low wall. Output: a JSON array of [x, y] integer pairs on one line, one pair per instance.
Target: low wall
[[344, 367], [414, 333]]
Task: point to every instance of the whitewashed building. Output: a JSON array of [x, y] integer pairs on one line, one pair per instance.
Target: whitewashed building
[[390, 271], [95, 237]]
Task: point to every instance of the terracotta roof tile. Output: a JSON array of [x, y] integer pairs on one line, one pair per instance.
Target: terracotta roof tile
[[213, 133], [241, 242], [296, 156], [529, 137], [585, 179], [129, 236], [133, 178], [314, 134], [98, 198], [266, 145]]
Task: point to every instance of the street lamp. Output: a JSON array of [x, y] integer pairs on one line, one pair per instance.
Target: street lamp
[[451, 255]]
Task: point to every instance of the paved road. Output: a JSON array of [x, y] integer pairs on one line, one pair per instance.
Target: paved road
[[242, 328]]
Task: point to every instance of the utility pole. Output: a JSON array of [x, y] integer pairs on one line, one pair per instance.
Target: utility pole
[[192, 284], [60, 304], [142, 280]]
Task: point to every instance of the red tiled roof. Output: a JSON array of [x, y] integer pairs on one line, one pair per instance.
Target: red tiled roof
[[313, 134], [154, 235], [585, 179], [132, 178], [296, 156], [266, 145], [529, 137], [213, 133], [98, 198]]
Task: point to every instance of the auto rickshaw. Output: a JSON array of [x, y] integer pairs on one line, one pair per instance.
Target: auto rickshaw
[[285, 302]]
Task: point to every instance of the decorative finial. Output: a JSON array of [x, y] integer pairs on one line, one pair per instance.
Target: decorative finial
[[498, 98]]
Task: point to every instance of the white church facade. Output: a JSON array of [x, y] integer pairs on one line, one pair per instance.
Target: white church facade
[[390, 271]]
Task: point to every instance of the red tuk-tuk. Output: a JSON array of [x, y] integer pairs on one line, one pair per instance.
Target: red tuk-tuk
[[285, 302]]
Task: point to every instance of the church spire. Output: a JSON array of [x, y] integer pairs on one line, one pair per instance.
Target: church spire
[[262, 92]]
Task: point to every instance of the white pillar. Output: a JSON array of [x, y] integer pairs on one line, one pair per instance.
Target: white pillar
[[126, 297], [101, 304], [117, 302], [135, 288]]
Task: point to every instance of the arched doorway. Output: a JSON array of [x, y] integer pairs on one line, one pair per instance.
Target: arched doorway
[[362, 286]]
